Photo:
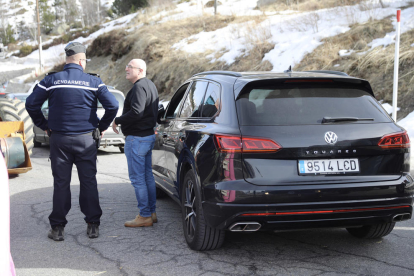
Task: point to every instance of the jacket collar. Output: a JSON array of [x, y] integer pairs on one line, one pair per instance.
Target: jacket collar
[[140, 79], [73, 66]]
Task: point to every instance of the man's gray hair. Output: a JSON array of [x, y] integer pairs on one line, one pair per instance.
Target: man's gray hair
[[141, 64]]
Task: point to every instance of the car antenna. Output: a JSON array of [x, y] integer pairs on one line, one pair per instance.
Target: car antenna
[[289, 70]]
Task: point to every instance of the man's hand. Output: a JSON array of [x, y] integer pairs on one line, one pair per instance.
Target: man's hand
[[102, 133], [114, 127]]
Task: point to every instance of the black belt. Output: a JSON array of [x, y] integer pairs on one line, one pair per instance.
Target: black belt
[[50, 133]]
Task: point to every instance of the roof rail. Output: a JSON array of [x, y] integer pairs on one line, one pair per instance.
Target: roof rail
[[227, 73], [329, 72]]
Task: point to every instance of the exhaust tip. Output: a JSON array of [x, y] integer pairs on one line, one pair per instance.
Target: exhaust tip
[[401, 217], [245, 227]]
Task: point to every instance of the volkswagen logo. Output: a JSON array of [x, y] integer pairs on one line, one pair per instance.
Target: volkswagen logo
[[331, 137]]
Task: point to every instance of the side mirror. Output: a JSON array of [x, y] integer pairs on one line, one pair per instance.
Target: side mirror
[[161, 112]]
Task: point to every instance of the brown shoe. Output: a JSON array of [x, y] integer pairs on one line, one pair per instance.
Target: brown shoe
[[139, 222], [154, 217]]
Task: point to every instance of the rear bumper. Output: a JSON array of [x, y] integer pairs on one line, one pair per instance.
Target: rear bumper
[[223, 217], [112, 141], [308, 206]]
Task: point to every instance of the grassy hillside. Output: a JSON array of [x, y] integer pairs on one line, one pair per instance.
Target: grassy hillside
[[168, 67], [376, 65]]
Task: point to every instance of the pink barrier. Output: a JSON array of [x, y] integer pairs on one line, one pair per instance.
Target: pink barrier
[[6, 261]]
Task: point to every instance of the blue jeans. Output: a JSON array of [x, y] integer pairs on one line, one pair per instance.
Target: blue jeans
[[138, 151]]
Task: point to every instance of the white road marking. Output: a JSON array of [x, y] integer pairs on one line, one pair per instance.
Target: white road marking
[[404, 228]]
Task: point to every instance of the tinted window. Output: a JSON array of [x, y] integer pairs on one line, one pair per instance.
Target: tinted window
[[211, 100], [304, 105], [192, 103], [175, 103]]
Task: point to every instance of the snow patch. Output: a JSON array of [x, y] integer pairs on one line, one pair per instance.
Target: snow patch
[[294, 35], [55, 55], [389, 108], [344, 53], [407, 24]]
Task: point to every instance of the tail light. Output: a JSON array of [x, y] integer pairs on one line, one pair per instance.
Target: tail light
[[308, 80], [246, 144], [394, 141]]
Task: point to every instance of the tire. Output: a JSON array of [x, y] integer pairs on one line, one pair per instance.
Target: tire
[[198, 235], [14, 110], [160, 193], [122, 149], [372, 231], [36, 144]]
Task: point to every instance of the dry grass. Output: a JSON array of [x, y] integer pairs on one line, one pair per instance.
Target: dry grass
[[252, 61], [307, 5], [257, 36], [357, 39], [168, 68], [376, 65], [113, 43]]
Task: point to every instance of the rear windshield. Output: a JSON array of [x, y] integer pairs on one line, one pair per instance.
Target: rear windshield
[[304, 105], [118, 97]]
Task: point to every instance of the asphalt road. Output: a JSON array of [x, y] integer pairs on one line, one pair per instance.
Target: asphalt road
[[161, 250]]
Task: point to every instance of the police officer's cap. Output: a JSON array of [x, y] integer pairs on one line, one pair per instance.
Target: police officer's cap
[[74, 48]]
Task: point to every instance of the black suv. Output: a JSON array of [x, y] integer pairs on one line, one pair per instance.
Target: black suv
[[266, 151]]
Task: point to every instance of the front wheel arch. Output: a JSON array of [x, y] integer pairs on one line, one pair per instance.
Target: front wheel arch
[[185, 164], [197, 233]]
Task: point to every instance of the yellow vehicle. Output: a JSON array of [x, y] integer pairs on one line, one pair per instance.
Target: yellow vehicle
[[13, 147], [16, 136]]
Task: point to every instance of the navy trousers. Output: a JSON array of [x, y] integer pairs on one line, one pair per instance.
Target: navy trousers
[[65, 151]]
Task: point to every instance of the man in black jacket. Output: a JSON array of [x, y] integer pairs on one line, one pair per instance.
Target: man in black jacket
[[137, 123]]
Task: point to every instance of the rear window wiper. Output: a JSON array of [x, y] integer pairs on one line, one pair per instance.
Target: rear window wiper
[[344, 119]]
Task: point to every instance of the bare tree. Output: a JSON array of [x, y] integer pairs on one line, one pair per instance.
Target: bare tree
[[32, 29], [91, 11]]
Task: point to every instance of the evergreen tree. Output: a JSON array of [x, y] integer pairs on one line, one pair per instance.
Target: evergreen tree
[[59, 13], [46, 17], [7, 35], [123, 7], [23, 31]]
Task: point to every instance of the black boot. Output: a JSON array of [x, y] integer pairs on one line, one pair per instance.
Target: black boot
[[92, 230], [56, 233]]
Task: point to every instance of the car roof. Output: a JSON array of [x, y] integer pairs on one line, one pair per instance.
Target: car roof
[[240, 79], [276, 75], [116, 91]]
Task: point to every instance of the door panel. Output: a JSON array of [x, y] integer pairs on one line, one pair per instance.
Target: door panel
[[163, 152]]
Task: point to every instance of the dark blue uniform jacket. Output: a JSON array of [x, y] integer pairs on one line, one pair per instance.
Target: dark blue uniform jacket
[[73, 96]]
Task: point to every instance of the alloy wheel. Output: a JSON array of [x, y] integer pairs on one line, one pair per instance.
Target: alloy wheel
[[190, 209]]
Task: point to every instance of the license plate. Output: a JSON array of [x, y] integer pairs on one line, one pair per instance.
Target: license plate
[[328, 166]]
